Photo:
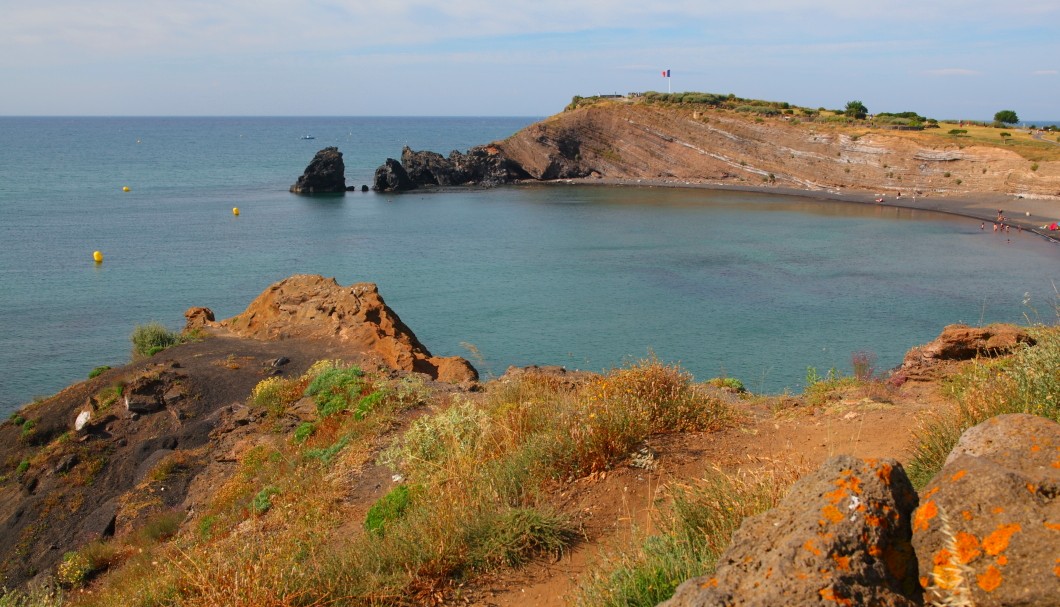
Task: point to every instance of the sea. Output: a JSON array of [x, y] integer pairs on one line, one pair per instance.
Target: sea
[[759, 287]]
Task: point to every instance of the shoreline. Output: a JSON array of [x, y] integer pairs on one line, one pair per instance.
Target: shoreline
[[980, 206]]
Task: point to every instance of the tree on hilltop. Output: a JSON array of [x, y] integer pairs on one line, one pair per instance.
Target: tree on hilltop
[[1006, 117], [856, 109]]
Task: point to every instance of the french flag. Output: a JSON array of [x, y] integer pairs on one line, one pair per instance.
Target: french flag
[[666, 73]]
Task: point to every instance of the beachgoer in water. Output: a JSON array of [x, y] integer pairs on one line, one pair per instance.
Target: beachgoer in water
[[995, 227], [982, 226]]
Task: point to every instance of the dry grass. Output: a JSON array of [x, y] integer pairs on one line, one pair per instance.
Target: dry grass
[[1026, 382], [474, 469], [694, 533]]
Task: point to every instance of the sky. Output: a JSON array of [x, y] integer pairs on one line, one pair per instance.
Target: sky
[[941, 58]]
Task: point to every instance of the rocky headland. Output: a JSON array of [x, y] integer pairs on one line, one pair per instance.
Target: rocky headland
[[639, 142]]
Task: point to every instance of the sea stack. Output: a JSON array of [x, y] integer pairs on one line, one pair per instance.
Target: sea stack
[[326, 173]]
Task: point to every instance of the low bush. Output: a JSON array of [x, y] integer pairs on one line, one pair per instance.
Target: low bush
[[727, 383], [152, 338], [36, 597], [98, 371], [336, 389]]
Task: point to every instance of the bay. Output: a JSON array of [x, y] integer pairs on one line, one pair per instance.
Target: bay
[[749, 285]]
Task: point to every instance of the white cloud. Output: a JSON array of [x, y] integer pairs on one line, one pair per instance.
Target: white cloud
[[1045, 72]]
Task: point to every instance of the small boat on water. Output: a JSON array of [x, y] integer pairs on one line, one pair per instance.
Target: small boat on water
[[308, 137]]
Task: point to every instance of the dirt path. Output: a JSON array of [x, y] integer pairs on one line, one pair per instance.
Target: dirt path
[[781, 433]]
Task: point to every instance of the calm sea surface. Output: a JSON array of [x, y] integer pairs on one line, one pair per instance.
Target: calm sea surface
[[753, 286]]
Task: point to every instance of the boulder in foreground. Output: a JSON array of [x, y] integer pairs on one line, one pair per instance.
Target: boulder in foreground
[[987, 531], [841, 536]]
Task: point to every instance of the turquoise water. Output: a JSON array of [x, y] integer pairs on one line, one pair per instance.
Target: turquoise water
[[753, 286]]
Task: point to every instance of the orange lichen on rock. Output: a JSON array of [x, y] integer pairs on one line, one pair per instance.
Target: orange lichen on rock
[[850, 482], [967, 547], [711, 583], [1056, 569], [922, 518], [836, 496], [923, 581], [875, 521], [1002, 560], [828, 594], [811, 548], [958, 475], [945, 572], [996, 543], [990, 579], [966, 515], [931, 492], [1053, 526], [883, 472], [1032, 487], [842, 562], [832, 513]]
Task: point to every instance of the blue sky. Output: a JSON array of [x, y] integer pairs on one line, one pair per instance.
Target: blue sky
[[941, 58]]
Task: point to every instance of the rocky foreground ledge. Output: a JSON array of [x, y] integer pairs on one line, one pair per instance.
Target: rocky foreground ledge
[[983, 532], [77, 467]]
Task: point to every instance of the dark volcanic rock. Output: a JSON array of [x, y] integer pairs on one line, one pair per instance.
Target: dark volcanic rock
[[391, 177], [429, 168], [326, 173], [482, 165], [841, 536], [988, 526]]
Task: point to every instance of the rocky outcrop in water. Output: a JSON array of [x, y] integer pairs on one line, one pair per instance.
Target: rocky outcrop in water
[[481, 166], [984, 531], [326, 173], [314, 307], [391, 177]]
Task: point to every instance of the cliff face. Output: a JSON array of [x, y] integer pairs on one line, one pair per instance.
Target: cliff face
[[631, 141]]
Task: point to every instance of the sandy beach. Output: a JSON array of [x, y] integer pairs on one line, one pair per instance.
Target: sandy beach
[[1029, 213]]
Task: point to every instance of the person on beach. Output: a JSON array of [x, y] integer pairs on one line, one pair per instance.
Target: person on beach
[[982, 226]]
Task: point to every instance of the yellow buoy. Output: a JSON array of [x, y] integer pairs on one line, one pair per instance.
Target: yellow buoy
[[125, 188], [235, 210], [97, 257]]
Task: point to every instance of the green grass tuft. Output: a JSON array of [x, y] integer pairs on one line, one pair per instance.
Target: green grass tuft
[[388, 508], [152, 338]]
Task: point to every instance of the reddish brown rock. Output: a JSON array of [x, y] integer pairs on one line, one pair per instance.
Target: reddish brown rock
[[961, 342], [840, 537], [314, 307], [987, 531], [197, 318]]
